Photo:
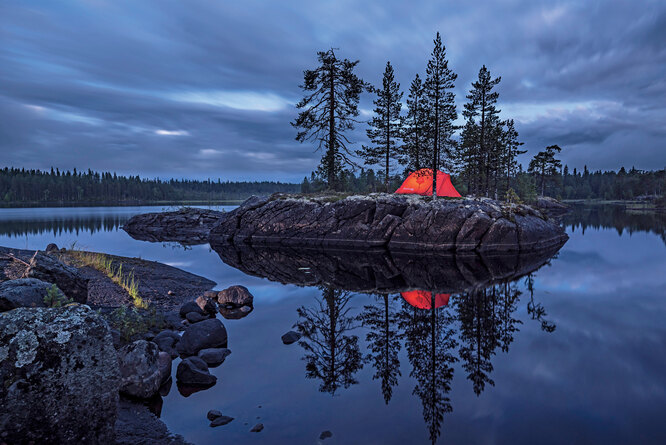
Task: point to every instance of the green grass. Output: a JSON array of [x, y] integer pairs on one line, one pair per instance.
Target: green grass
[[108, 266]]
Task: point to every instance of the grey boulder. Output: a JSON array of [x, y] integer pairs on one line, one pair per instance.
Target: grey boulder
[[193, 371], [235, 296], [24, 292], [60, 377], [209, 333], [140, 372], [214, 356]]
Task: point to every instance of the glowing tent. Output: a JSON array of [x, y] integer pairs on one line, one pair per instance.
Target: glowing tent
[[420, 183], [422, 299]]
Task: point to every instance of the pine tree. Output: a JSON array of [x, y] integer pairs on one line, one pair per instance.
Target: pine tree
[[544, 164], [385, 126], [511, 151], [481, 106], [330, 107], [441, 103], [415, 149]]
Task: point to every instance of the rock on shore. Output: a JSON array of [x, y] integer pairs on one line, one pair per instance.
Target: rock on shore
[[189, 225], [59, 377], [396, 222]]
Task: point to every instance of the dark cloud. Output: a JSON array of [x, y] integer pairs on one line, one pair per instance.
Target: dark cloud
[[206, 89]]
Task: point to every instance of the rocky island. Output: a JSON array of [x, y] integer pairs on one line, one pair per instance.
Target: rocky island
[[394, 222]]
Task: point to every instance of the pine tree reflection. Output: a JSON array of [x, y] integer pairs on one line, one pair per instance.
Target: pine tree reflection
[[486, 322], [536, 310], [429, 340], [383, 341], [332, 355]]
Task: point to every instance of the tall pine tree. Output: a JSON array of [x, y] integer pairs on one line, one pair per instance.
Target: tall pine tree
[[385, 126], [481, 108], [441, 101], [330, 107], [415, 149]]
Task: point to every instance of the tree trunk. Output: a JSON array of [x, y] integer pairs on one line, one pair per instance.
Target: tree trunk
[[330, 155], [435, 155]]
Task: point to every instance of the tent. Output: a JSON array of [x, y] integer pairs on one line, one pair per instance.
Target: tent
[[422, 299], [420, 183]]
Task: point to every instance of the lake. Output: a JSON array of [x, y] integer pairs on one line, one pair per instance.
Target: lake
[[574, 352]]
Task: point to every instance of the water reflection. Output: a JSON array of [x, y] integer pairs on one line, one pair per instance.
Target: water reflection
[[332, 353], [615, 217], [442, 310], [73, 224]]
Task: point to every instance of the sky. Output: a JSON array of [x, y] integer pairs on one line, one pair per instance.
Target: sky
[[207, 89]]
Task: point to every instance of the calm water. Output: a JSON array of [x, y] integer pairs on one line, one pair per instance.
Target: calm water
[[571, 353]]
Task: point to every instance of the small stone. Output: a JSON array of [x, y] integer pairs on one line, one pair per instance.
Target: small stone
[[325, 435], [257, 428], [170, 293], [194, 317], [221, 420], [213, 414], [214, 356], [207, 303], [290, 337], [52, 247]]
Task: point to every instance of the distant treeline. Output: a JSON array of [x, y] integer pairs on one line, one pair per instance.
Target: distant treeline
[[607, 185], [23, 186]]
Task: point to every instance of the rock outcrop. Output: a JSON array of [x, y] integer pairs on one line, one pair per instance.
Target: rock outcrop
[[59, 377], [188, 225], [396, 222], [551, 205], [50, 269], [24, 292]]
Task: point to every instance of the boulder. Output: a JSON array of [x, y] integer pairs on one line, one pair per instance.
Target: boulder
[[24, 292], [207, 302], [52, 248], [140, 372], [164, 366], [290, 337], [190, 306], [209, 333], [214, 356], [193, 371], [166, 341], [257, 428], [51, 270], [137, 425], [235, 296], [194, 317], [60, 377]]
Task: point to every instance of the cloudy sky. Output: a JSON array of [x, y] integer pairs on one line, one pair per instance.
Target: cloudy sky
[[207, 88]]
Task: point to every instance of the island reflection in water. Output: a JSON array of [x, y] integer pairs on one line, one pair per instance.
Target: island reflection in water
[[442, 309]]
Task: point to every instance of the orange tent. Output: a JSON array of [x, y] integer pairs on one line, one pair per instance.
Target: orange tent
[[420, 183], [422, 299]]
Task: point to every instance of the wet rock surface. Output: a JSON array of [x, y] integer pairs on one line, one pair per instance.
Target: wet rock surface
[[57, 367], [188, 225], [235, 296], [214, 356], [396, 222]]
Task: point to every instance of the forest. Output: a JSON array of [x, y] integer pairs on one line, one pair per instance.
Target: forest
[[21, 186], [482, 155]]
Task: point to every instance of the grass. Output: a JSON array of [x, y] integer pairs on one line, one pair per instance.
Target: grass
[[108, 266]]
